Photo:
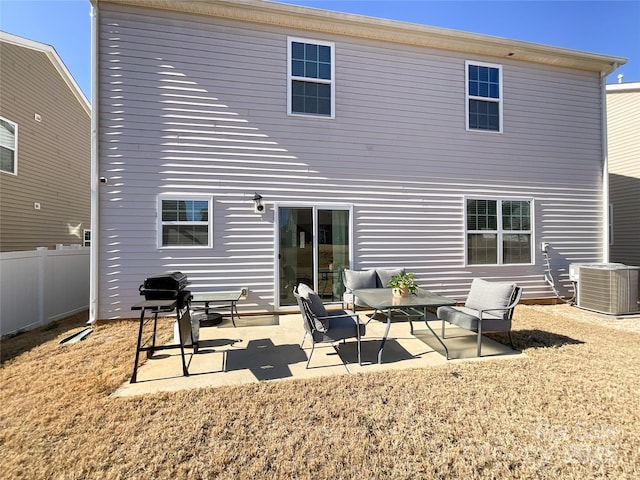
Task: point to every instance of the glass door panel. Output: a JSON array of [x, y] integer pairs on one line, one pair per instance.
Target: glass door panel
[[295, 250], [313, 249], [333, 252]]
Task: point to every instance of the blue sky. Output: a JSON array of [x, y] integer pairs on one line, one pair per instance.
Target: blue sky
[[606, 27]]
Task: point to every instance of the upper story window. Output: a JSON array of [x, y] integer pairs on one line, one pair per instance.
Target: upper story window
[[499, 232], [311, 83], [8, 146], [185, 222], [484, 96]]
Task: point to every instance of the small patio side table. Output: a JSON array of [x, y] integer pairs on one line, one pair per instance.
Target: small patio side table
[[219, 300], [415, 304]]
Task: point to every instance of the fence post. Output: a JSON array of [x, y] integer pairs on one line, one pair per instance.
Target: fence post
[[42, 259]]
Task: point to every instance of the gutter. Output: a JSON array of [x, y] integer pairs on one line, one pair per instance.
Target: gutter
[[95, 220]]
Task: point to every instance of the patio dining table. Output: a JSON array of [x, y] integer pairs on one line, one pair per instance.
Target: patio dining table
[[413, 305]]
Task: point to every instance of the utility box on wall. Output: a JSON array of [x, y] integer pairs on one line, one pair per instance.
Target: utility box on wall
[[610, 288]]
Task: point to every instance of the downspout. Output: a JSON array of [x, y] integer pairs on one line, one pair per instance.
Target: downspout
[[605, 162], [95, 208]]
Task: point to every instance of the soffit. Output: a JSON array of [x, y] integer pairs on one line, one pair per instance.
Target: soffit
[[336, 23]]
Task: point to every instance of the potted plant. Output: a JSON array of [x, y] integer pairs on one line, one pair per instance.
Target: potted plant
[[403, 284]]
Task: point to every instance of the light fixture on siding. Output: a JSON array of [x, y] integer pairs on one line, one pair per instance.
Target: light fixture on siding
[[258, 207]]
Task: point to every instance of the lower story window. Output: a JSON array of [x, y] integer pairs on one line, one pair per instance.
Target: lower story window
[[185, 222], [499, 232]]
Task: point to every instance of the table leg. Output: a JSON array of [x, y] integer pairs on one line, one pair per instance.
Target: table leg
[[185, 371], [386, 334], [153, 337], [233, 308], [134, 376], [446, 350]]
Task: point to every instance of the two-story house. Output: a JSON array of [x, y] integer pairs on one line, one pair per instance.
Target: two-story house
[[256, 144], [45, 145]]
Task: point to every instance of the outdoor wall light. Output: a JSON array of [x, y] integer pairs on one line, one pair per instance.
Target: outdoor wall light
[[258, 207]]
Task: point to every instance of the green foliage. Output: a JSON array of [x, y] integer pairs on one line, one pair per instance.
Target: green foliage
[[403, 280]]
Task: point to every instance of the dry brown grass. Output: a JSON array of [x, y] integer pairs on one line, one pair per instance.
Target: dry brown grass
[[568, 410]]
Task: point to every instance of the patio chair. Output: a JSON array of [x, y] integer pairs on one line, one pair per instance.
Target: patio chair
[[489, 308], [323, 326]]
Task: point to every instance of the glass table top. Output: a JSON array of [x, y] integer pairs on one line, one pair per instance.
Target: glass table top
[[382, 298]]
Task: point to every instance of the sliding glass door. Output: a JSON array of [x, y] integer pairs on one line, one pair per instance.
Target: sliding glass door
[[313, 248]]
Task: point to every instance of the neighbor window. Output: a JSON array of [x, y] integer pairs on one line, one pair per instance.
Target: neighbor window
[[185, 222], [484, 96], [311, 78], [499, 232], [8, 146]]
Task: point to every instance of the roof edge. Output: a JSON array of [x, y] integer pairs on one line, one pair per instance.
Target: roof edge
[[338, 23], [55, 60], [623, 87]]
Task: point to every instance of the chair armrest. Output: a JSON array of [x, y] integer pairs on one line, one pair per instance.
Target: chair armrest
[[503, 309], [346, 315]]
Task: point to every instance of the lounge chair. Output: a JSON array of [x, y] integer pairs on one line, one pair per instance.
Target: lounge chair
[[489, 308], [323, 326]]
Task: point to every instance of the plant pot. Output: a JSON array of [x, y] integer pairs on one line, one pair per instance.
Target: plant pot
[[401, 291]]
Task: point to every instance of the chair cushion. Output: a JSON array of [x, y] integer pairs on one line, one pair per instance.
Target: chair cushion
[[460, 316], [341, 327], [467, 318], [385, 274], [485, 295], [315, 303], [354, 279]]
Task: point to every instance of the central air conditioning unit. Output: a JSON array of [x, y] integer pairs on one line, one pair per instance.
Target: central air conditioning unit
[[610, 288]]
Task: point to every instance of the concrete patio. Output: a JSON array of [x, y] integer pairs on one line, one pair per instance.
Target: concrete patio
[[267, 348]]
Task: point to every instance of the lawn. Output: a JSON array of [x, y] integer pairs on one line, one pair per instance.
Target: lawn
[[569, 409]]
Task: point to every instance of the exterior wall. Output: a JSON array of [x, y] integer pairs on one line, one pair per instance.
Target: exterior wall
[[623, 125], [197, 105], [54, 154]]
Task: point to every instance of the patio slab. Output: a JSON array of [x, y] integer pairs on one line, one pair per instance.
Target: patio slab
[[267, 348]]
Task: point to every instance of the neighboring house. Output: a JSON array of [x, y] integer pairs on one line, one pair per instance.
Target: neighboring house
[[45, 142], [371, 143], [623, 125]]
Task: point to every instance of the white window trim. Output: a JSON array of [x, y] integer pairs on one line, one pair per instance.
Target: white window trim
[[15, 148], [160, 223], [500, 232], [331, 82], [468, 97]]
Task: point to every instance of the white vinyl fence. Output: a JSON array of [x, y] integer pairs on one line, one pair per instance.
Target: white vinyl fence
[[40, 286]]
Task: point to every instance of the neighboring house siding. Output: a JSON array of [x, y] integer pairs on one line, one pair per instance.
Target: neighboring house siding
[[623, 121], [397, 151], [54, 154]]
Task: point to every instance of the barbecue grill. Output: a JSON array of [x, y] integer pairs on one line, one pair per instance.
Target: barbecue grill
[[167, 286], [164, 293]]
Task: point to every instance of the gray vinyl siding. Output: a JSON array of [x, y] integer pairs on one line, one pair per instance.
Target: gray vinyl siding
[[397, 151], [54, 155], [623, 120]]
